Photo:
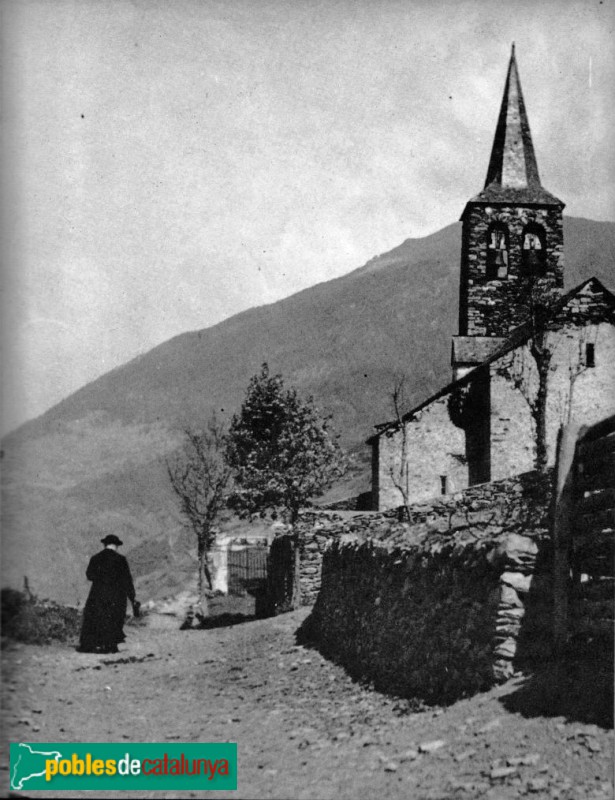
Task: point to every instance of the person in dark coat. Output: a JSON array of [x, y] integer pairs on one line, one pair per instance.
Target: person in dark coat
[[105, 609]]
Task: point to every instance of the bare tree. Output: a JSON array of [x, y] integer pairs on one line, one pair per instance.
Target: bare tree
[[530, 375], [542, 300], [200, 476], [528, 368], [399, 472]]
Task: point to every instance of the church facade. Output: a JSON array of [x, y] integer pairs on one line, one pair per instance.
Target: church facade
[[527, 357]]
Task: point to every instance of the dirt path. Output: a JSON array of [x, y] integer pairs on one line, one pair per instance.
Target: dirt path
[[303, 728]]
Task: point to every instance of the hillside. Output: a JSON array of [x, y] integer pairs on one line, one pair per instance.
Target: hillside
[[96, 461]]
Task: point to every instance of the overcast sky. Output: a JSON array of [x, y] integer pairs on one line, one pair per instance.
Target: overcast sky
[[168, 164]]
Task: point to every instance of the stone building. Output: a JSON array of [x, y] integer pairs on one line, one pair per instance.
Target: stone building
[[526, 358]]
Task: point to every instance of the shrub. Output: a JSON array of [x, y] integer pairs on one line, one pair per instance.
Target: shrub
[[32, 621]]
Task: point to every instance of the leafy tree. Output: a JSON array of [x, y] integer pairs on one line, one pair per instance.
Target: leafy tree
[[200, 477], [281, 449]]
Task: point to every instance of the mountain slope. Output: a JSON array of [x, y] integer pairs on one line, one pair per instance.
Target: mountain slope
[[96, 461]]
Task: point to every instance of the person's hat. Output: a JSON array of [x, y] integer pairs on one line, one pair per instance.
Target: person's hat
[[111, 538]]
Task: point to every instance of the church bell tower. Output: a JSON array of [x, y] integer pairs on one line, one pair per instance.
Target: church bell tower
[[512, 236]]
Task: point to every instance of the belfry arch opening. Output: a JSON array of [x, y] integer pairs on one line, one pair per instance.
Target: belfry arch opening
[[534, 249], [497, 252]]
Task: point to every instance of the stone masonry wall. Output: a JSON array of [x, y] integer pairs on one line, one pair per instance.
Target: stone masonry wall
[[576, 394], [317, 530], [495, 307], [445, 603], [434, 448]]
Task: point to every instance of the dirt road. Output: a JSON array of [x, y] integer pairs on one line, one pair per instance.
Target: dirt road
[[303, 728]]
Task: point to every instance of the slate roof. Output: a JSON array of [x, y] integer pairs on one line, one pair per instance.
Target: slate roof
[[512, 175], [527, 196], [474, 349]]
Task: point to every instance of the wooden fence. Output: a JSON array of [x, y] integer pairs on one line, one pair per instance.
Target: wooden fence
[[584, 534]]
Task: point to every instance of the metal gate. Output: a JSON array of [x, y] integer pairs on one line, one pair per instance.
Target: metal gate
[[247, 570]]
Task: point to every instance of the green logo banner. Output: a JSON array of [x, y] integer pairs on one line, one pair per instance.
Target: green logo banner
[[98, 766]]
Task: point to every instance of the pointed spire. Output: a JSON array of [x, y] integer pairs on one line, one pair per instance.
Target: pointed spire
[[513, 161], [513, 171]]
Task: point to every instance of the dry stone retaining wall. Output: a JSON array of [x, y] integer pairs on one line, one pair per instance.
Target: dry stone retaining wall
[[441, 604], [514, 504]]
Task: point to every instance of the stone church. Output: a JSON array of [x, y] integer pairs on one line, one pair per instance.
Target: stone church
[[527, 359]]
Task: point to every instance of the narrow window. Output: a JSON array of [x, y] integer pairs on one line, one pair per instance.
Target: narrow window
[[590, 355], [534, 250], [443, 484], [497, 252]]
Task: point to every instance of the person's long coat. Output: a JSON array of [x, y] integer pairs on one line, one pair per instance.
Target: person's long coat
[[105, 608]]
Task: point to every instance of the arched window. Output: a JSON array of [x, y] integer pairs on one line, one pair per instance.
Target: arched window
[[497, 252], [534, 250]]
